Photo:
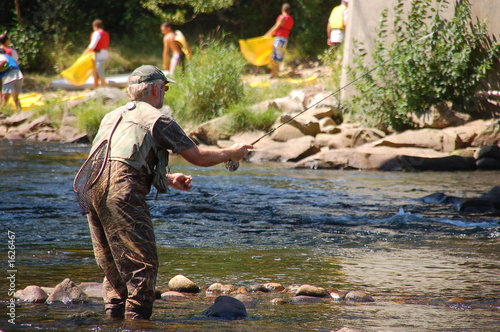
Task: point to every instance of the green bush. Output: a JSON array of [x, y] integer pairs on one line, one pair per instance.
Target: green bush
[[210, 84], [432, 60]]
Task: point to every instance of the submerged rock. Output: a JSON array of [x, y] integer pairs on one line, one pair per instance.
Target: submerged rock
[[226, 307]]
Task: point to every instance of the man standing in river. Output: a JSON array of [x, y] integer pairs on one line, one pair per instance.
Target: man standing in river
[[129, 155]]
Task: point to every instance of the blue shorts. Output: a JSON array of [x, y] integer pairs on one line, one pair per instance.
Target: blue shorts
[[279, 47]]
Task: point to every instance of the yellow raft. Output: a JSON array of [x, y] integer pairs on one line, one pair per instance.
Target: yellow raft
[[257, 50], [80, 71]]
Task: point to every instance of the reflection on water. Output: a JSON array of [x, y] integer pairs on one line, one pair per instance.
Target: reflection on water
[[268, 223]]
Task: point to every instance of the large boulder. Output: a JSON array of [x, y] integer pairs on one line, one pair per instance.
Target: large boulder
[[307, 124], [439, 117], [489, 136], [213, 130], [290, 151], [286, 133], [424, 138]]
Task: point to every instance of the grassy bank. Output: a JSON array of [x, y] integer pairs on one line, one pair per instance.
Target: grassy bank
[[211, 86]]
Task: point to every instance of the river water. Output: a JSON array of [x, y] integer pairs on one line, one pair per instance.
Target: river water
[[345, 230]]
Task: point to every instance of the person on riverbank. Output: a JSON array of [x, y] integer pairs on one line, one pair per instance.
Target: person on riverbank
[[99, 44], [281, 31], [335, 28], [4, 45], [176, 44], [12, 79], [139, 137]]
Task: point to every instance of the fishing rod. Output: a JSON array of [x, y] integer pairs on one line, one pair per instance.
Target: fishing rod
[[232, 166]]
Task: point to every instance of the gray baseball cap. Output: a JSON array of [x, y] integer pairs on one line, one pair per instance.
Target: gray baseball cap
[[148, 73]]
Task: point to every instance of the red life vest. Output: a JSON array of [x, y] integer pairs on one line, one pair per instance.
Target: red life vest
[[284, 31], [103, 42], [7, 50]]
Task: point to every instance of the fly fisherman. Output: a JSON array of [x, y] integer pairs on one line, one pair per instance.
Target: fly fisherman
[[129, 155]]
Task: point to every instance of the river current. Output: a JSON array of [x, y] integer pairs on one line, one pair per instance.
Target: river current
[[345, 230]]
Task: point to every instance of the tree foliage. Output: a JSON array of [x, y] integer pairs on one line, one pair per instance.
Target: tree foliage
[[431, 60]]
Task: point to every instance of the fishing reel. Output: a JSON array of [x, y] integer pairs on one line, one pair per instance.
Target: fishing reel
[[232, 166]]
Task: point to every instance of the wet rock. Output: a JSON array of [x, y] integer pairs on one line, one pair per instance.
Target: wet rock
[[440, 198], [226, 307], [215, 288], [172, 295], [449, 163], [67, 292], [258, 288], [247, 300], [456, 300], [92, 289], [488, 164], [306, 299], [180, 283], [278, 301], [292, 289], [274, 286], [310, 290], [32, 294], [337, 295], [489, 157], [358, 296], [474, 205]]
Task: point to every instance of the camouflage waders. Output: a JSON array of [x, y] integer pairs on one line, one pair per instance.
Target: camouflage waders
[[124, 241]]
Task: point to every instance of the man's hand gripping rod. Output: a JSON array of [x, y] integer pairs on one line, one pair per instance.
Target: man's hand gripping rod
[[232, 166]]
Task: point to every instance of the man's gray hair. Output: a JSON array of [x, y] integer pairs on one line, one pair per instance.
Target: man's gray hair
[[142, 91]]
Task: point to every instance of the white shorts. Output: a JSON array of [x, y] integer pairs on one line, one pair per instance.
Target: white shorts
[[13, 87], [336, 36]]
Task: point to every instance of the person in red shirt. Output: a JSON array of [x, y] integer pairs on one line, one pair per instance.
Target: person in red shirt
[[99, 44], [281, 31]]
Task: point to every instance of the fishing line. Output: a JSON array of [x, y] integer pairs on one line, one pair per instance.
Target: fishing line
[[232, 166]]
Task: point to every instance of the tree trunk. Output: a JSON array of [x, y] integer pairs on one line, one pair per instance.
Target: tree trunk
[[19, 16]]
